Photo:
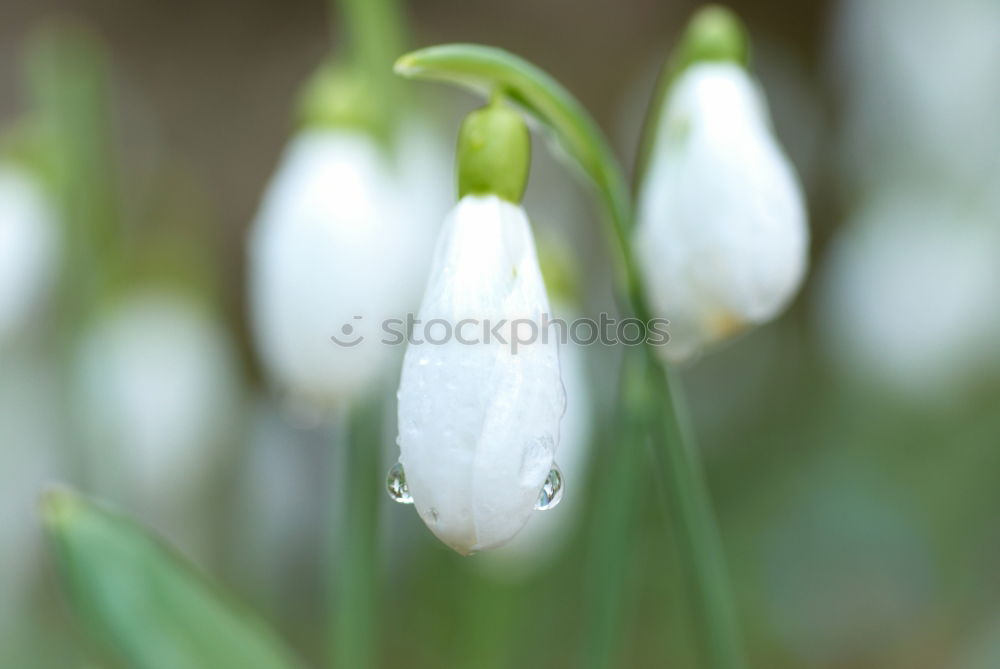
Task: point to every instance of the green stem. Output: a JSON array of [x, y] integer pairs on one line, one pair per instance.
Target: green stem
[[355, 556], [68, 77], [698, 536], [484, 69], [611, 532], [375, 34], [67, 72]]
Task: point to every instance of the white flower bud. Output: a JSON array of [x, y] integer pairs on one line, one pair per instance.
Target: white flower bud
[[910, 295], [722, 237], [156, 390], [28, 248], [333, 253], [479, 422]]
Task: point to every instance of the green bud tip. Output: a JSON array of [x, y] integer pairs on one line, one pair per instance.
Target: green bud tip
[[715, 33], [405, 66], [336, 96], [494, 152], [58, 505]]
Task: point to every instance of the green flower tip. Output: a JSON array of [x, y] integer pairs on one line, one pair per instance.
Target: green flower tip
[[337, 97], [406, 65], [715, 33], [58, 505], [494, 153]]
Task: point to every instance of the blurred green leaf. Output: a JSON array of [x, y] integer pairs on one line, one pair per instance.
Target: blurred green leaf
[[146, 603]]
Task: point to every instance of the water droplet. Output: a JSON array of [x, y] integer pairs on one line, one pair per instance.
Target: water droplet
[[552, 490], [395, 483]]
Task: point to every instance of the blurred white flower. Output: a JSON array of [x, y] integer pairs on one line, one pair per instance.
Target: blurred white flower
[[722, 237], [921, 83], [28, 248], [157, 392], [479, 423], [911, 293], [543, 536], [341, 243]]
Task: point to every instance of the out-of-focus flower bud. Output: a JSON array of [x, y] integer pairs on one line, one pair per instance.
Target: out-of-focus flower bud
[[341, 243], [721, 237], [156, 391], [911, 294], [28, 247]]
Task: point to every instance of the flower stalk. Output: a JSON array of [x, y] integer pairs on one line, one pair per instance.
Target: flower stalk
[[354, 588]]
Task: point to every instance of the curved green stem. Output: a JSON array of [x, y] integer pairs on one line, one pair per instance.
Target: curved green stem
[[487, 69], [484, 69], [375, 33]]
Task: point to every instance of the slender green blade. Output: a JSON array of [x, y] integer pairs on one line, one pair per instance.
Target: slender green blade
[[149, 607]]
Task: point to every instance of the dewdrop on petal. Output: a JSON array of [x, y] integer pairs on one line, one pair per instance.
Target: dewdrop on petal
[[479, 422], [722, 236]]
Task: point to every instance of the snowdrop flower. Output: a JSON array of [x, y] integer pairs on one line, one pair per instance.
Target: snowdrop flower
[[478, 417], [910, 293], [340, 244], [28, 247], [721, 237], [156, 388]]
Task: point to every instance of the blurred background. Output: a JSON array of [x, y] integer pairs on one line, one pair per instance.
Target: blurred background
[[852, 447]]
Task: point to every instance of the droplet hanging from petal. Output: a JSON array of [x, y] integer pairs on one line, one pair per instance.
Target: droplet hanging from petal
[[552, 490], [395, 484]]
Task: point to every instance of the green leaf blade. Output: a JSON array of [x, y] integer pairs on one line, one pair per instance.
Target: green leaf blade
[[146, 604]]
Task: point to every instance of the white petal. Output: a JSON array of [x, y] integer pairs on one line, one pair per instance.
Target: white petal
[[28, 248], [334, 253], [546, 532], [479, 424], [722, 236]]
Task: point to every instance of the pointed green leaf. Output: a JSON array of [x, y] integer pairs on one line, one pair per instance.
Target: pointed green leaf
[[145, 603]]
